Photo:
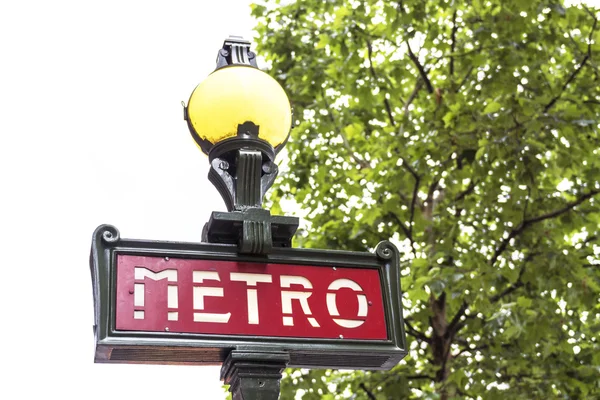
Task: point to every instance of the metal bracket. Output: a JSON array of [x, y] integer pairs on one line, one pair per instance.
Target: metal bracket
[[254, 230], [254, 374], [236, 51], [242, 170]]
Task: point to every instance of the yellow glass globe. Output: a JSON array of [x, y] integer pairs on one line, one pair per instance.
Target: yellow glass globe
[[234, 95]]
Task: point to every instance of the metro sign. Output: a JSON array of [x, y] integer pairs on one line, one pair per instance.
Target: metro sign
[[191, 303], [157, 294]]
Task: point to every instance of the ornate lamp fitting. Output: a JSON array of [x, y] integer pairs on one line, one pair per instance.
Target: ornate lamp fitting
[[241, 118]]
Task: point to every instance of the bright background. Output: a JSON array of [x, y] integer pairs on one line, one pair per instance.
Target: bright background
[[92, 132]]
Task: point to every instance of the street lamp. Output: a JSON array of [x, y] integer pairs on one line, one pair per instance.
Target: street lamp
[[183, 303], [241, 118]]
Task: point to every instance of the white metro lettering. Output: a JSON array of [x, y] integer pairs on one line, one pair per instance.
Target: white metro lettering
[[332, 305], [201, 292], [138, 291], [293, 290], [288, 295], [251, 280]]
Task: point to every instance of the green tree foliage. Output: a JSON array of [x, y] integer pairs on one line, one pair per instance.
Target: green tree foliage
[[467, 133]]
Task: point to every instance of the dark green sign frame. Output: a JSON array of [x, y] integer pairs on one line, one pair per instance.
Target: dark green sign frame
[[114, 346]]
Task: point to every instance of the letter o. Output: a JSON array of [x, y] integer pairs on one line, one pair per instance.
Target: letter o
[[363, 309]]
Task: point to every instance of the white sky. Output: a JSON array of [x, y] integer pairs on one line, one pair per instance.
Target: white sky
[[91, 132]]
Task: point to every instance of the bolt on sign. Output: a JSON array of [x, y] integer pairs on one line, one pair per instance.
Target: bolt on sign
[[191, 303]]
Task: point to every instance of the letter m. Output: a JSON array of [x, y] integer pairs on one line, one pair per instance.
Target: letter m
[[139, 291]]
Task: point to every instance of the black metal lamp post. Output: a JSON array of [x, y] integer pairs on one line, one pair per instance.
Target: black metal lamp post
[[149, 296], [241, 118]]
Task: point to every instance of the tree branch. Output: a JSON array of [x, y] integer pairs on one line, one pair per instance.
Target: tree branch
[[359, 161], [413, 202], [402, 226], [432, 189], [528, 222], [563, 210], [453, 43], [452, 327], [419, 377], [581, 65], [507, 291], [386, 102], [590, 239], [527, 201], [415, 333], [400, 6], [466, 192], [370, 395], [466, 53], [566, 84], [410, 169], [413, 95], [419, 66], [464, 79], [518, 283]]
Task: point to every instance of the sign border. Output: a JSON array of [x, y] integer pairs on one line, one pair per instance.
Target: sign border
[[119, 346]]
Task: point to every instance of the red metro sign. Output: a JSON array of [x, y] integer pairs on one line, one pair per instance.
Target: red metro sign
[[192, 303], [248, 298]]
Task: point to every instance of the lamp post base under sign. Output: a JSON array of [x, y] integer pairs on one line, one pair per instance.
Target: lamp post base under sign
[[243, 297], [254, 374]]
